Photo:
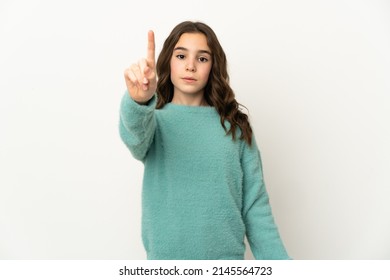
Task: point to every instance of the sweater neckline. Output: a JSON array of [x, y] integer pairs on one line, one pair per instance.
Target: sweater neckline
[[190, 109]]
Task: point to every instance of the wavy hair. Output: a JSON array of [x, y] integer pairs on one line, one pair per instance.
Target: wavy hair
[[217, 92]]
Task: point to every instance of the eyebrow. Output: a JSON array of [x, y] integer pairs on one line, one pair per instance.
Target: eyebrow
[[185, 49]]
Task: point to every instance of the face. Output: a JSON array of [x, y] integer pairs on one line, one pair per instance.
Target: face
[[190, 65]]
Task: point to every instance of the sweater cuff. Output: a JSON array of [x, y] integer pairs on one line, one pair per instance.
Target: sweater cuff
[[130, 106]]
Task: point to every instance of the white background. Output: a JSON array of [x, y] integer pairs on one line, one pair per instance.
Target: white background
[[315, 76]]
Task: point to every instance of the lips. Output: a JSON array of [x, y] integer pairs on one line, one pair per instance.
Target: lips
[[189, 79]]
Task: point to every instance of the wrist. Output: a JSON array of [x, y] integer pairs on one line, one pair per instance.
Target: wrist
[[142, 102]]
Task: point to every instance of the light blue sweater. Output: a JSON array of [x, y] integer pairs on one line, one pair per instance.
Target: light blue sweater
[[202, 191]]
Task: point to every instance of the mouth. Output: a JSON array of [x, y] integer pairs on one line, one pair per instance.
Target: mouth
[[189, 79]]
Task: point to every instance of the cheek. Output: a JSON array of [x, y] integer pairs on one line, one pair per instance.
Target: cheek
[[206, 72], [173, 66]]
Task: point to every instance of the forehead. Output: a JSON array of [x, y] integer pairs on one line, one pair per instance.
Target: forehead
[[193, 41]]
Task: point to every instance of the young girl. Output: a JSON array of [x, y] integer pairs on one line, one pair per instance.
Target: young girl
[[203, 187]]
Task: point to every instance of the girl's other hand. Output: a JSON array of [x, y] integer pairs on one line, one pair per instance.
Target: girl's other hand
[[140, 78]]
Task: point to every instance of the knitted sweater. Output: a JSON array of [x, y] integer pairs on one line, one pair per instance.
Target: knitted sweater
[[202, 191]]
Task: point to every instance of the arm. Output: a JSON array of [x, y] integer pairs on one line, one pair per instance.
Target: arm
[[261, 230], [137, 125]]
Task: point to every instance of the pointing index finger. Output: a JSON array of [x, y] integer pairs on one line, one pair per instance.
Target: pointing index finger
[[151, 49]]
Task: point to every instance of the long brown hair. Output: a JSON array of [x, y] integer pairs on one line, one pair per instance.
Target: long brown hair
[[217, 92]]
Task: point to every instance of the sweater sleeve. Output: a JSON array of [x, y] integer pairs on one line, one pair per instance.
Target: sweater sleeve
[[261, 230], [137, 125]]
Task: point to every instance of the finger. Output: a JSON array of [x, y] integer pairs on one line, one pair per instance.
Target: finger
[[137, 79], [145, 69], [136, 71], [129, 78], [132, 78], [151, 50]]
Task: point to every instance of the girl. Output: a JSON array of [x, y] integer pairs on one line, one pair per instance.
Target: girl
[[203, 187]]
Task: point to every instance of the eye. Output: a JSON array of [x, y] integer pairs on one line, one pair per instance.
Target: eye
[[203, 59], [180, 56]]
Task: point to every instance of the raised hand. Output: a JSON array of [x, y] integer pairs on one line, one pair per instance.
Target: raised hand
[[140, 78]]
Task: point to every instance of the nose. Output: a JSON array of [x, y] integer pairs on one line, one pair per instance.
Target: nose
[[190, 67]]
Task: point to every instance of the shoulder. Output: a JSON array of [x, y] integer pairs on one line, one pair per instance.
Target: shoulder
[[249, 152]]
